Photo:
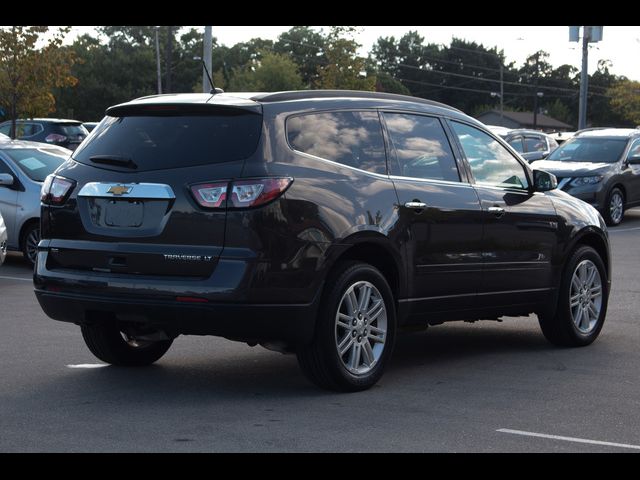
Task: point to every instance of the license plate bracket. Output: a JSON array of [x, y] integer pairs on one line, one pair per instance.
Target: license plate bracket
[[124, 213]]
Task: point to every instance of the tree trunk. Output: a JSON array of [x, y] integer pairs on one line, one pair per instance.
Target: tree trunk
[[167, 60]]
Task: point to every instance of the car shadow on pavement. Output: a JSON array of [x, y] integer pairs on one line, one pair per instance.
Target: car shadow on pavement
[[242, 376]]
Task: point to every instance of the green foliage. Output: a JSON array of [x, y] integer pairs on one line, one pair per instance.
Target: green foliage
[[559, 111], [625, 100], [305, 47], [344, 68], [271, 74], [386, 83], [28, 73]]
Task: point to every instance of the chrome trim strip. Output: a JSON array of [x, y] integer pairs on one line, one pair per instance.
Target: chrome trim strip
[[158, 191], [404, 300]]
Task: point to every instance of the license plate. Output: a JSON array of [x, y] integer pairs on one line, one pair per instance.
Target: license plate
[[120, 213]]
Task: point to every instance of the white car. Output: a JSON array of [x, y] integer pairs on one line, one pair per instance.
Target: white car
[[3, 240]]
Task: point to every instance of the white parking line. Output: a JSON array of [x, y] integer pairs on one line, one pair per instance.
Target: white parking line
[[17, 278], [568, 439], [88, 365]]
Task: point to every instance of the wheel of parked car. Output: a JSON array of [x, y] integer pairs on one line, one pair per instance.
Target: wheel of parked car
[[117, 346], [355, 330], [614, 208], [30, 240], [582, 302]]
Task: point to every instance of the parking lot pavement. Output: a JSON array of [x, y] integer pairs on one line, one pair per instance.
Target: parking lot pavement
[[482, 387]]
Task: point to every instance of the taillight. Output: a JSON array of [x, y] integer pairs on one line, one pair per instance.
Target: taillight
[[56, 190], [210, 195], [54, 138], [244, 193]]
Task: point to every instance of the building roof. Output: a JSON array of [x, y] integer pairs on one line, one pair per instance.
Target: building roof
[[526, 118]]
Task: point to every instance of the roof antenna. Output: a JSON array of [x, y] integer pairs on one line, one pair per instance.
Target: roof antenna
[[214, 89]]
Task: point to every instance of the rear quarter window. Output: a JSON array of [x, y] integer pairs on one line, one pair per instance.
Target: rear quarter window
[[352, 138]]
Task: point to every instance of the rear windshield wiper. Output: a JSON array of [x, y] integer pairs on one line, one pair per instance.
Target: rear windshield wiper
[[114, 160]]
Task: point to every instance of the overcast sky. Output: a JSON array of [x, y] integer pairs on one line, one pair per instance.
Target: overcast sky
[[620, 45]]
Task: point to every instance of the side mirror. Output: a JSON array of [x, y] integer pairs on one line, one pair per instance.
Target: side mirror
[[6, 180], [544, 181], [634, 160]]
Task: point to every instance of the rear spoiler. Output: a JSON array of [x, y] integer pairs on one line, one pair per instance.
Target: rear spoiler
[[131, 109]]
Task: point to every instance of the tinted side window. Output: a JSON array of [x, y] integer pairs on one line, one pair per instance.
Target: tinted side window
[[350, 138], [4, 168], [5, 129], [535, 144], [490, 162], [516, 143], [420, 147]]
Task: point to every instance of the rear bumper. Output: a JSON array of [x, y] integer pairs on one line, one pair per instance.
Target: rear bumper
[[292, 323]]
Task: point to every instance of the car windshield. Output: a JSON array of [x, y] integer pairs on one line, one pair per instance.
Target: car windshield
[[606, 150], [37, 163]]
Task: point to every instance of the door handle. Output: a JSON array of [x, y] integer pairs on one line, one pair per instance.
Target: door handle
[[497, 211], [416, 205]]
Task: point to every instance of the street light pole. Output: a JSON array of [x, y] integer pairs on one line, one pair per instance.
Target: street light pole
[[206, 56]]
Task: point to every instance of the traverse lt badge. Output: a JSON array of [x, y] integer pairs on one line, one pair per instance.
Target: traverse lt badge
[[119, 189]]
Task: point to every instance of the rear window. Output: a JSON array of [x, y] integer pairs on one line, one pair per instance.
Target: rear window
[[36, 163], [160, 142], [72, 130]]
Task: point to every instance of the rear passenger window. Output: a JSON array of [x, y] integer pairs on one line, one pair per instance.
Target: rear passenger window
[[535, 144], [420, 148], [350, 138]]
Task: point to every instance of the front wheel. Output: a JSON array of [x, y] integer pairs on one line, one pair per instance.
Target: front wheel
[[120, 346], [614, 208], [355, 330], [582, 302]]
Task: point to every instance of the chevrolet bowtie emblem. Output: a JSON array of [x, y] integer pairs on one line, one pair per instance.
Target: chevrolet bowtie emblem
[[119, 190]]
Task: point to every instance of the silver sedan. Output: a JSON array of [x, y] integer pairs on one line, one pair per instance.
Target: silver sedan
[[23, 168]]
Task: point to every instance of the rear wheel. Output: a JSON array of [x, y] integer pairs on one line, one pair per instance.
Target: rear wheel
[[117, 345], [355, 330], [614, 208], [582, 302], [30, 240]]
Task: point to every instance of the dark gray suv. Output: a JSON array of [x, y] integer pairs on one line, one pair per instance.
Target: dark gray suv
[[601, 167]]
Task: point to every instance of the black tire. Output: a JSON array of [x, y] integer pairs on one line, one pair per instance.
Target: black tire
[[607, 212], [107, 343], [320, 360], [30, 234], [560, 329]]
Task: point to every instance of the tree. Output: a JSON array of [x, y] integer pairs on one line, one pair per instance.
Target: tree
[[305, 47], [28, 73], [271, 74], [344, 68], [625, 100]]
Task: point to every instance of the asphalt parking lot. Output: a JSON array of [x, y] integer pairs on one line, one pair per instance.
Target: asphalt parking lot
[[483, 387]]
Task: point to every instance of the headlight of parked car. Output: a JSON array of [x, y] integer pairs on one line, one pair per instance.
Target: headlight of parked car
[[580, 181]]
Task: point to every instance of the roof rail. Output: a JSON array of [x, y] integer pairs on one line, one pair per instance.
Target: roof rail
[[308, 94], [590, 129]]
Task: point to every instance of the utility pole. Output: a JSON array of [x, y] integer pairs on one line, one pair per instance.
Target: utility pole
[[167, 60], [159, 70], [589, 35], [584, 79], [501, 90], [206, 56]]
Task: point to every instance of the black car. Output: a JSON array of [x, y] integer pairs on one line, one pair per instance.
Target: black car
[[56, 131], [313, 222], [601, 167]]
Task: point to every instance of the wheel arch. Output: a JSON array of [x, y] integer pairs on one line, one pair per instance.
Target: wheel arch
[[26, 224]]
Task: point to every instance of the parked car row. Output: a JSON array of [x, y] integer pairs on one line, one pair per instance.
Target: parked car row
[[532, 145], [54, 131]]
